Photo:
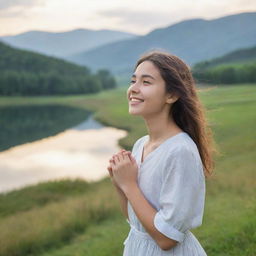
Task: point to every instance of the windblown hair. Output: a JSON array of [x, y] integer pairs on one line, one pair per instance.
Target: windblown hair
[[187, 112]]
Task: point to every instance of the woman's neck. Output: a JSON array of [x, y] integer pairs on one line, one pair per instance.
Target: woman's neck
[[161, 127]]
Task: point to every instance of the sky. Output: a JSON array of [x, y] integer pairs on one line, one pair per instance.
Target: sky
[[138, 17]]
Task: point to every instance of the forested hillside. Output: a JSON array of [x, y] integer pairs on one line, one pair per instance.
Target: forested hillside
[[235, 67], [27, 73]]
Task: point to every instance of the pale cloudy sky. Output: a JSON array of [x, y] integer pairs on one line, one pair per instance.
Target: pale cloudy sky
[[140, 16]]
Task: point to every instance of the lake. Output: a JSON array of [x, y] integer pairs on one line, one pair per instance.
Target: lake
[[82, 151]]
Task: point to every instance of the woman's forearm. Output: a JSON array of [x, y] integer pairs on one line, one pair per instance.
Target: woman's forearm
[[123, 201], [146, 213]]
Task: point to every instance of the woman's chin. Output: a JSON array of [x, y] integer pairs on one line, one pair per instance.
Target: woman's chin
[[134, 112]]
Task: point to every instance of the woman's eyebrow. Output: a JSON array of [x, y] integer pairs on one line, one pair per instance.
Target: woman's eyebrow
[[144, 75]]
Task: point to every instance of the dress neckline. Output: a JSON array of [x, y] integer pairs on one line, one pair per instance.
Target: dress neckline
[[157, 148]]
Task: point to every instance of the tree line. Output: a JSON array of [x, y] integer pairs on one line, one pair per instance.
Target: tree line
[[227, 74], [238, 66]]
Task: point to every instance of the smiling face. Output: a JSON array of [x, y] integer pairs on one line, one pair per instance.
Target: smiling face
[[148, 86]]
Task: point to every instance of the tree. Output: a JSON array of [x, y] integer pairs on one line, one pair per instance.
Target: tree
[[106, 79]]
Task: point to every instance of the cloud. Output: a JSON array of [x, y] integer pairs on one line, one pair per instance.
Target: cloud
[[17, 8], [123, 15], [11, 13], [144, 19], [4, 4], [136, 17], [245, 3]]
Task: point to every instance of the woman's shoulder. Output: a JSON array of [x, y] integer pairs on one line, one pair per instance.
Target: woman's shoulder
[[183, 153], [185, 142], [182, 145]]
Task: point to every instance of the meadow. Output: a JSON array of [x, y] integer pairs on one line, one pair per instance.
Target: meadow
[[73, 217]]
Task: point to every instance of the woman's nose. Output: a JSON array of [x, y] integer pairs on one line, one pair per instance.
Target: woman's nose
[[134, 87]]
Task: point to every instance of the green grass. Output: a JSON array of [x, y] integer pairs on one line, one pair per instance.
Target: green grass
[[41, 194], [77, 218], [103, 239], [57, 222]]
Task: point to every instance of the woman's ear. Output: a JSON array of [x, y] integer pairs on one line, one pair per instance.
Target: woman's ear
[[171, 98]]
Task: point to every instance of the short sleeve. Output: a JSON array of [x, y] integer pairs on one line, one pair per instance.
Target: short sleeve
[[182, 195]]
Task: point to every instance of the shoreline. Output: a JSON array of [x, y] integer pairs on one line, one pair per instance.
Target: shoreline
[[73, 153]]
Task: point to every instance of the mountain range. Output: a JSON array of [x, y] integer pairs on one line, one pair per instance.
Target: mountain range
[[192, 40], [63, 44]]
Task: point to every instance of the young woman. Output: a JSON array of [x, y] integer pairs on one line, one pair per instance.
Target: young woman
[[161, 183]]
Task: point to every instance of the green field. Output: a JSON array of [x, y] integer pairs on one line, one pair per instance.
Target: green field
[[78, 218]]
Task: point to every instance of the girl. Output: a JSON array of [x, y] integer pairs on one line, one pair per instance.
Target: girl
[[161, 183]]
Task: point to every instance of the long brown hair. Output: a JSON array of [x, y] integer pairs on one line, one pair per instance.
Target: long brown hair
[[187, 111]]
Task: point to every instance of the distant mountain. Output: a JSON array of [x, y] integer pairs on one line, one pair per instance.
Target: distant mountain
[[64, 43], [192, 40]]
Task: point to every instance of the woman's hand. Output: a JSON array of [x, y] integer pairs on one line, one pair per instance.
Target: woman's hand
[[123, 169], [111, 174], [112, 161]]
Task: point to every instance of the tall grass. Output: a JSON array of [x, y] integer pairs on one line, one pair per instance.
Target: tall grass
[[34, 230]]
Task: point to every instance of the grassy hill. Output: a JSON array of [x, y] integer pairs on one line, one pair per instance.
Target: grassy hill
[[78, 218]]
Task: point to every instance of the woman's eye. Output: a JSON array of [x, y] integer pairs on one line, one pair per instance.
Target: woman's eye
[[145, 82]]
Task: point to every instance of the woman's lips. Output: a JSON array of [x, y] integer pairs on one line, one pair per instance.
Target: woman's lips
[[136, 102]]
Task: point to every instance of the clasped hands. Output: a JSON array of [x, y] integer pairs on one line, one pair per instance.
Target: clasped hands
[[123, 170]]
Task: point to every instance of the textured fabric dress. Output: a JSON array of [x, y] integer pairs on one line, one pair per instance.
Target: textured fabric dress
[[171, 178]]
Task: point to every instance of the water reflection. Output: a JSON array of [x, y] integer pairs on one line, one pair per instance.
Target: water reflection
[[89, 123], [82, 151], [21, 124]]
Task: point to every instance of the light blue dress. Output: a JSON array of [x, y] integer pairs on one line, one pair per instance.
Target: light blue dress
[[171, 178]]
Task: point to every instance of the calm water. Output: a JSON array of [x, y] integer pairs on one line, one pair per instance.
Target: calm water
[[21, 124], [80, 151]]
